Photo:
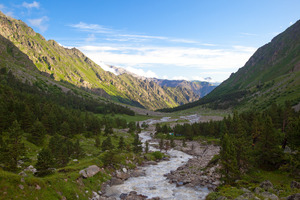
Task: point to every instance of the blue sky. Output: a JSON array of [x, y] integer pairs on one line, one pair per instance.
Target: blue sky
[[174, 39]]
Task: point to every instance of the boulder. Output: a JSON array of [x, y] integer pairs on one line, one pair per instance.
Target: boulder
[[90, 171], [244, 196], [21, 187], [134, 196], [221, 198], [295, 184], [121, 175], [116, 181], [294, 197], [266, 185], [268, 195], [30, 168], [137, 173]]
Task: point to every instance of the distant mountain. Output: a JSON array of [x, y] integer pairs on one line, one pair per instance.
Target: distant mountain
[[200, 88], [70, 66], [271, 75]]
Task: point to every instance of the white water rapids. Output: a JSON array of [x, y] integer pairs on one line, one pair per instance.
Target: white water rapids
[[154, 184]]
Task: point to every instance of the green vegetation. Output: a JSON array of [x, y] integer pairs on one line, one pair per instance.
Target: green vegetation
[[59, 134]]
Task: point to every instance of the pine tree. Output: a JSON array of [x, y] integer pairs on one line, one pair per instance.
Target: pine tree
[[269, 154], [97, 142], [229, 164], [37, 133], [13, 148], [121, 143], [107, 144], [138, 128], [44, 162], [77, 150], [146, 147], [137, 144], [108, 130]]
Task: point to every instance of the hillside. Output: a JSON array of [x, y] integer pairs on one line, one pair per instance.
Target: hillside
[[271, 75], [72, 66]]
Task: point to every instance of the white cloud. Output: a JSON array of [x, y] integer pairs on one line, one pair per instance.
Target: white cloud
[[141, 72], [117, 35], [165, 77], [2, 6], [31, 5], [40, 23], [178, 56], [94, 28], [291, 23]]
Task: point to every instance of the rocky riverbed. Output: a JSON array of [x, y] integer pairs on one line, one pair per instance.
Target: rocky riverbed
[[196, 172]]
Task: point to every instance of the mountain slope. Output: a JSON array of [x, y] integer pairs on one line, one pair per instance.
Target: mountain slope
[[72, 66], [271, 75], [200, 88]]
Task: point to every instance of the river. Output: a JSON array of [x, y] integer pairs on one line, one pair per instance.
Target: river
[[154, 184]]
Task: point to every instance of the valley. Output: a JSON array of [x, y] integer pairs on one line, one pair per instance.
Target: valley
[[74, 129]]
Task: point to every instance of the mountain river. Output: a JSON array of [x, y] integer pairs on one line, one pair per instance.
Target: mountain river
[[154, 184]]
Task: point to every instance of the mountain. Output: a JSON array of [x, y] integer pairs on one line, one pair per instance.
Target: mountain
[[72, 67], [271, 75], [200, 88]]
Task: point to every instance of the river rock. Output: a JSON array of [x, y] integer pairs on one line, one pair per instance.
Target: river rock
[[137, 173], [266, 185], [134, 196], [121, 175], [269, 195], [90, 171], [116, 181], [294, 197], [295, 184]]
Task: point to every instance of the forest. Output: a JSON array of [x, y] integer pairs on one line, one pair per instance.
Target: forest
[[51, 120], [267, 140]]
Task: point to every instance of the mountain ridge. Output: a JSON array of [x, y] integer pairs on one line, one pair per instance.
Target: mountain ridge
[[71, 65]]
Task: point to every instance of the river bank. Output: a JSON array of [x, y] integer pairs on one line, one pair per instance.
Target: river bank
[[181, 176]]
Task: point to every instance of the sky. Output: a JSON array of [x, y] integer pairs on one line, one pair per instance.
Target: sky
[[170, 39]]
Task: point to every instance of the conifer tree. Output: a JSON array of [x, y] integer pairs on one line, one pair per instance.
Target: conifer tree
[[268, 151], [121, 143], [137, 144], [77, 150], [146, 147], [44, 162], [13, 147], [107, 144], [229, 164], [37, 133], [97, 142]]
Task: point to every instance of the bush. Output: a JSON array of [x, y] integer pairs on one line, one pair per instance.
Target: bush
[[158, 155]]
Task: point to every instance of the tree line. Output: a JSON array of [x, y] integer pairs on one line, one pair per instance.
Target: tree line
[[29, 113], [251, 140]]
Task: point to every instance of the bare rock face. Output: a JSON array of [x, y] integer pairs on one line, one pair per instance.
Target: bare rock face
[[90, 171]]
